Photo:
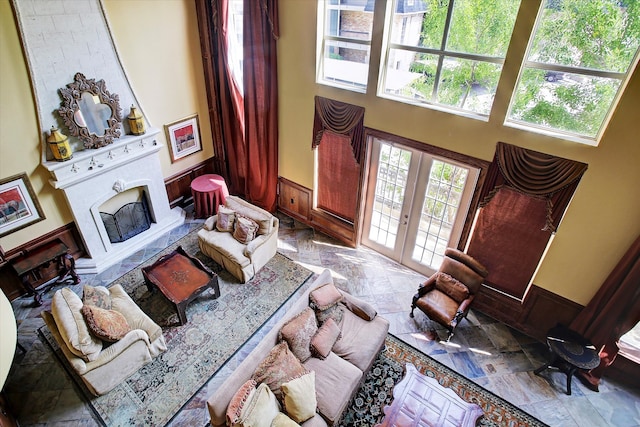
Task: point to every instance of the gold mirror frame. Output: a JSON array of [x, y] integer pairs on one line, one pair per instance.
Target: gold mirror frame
[[72, 97]]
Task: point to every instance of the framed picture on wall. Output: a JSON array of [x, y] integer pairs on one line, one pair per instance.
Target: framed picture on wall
[[19, 205], [183, 137]]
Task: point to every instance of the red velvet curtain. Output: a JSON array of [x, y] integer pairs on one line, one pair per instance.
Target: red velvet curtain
[[245, 128], [261, 101], [612, 312], [226, 105]]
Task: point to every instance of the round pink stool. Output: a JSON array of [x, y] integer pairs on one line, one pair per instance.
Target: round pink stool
[[208, 192]]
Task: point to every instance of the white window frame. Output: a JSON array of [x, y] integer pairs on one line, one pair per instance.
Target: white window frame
[[588, 72]]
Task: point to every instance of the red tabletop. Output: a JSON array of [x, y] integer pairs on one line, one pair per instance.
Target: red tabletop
[[208, 192]]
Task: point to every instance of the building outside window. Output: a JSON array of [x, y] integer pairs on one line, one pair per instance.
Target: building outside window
[[344, 43]]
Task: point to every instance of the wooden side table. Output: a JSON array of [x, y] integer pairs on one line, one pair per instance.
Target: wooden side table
[[208, 191], [181, 278], [419, 400], [28, 266]]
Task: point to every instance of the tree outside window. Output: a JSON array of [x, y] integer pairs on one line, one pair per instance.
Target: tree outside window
[[580, 54]]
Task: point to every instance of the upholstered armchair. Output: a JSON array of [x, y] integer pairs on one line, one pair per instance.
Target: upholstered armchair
[[106, 351], [446, 296]]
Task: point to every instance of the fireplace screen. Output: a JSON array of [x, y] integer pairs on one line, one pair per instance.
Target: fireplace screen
[[128, 221]]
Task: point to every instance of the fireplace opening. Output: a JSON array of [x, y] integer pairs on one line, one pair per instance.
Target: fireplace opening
[[130, 218]]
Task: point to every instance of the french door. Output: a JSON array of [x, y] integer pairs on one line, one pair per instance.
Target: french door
[[416, 204]]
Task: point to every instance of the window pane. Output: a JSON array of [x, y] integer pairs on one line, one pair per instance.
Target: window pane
[[482, 27], [564, 101], [346, 63], [603, 34], [446, 75], [578, 59], [468, 85]]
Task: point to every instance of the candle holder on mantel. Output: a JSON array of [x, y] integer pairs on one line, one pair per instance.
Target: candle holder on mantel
[[59, 145], [136, 122]]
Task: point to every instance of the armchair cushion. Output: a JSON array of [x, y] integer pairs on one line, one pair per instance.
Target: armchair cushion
[[108, 325], [462, 273], [244, 208], [66, 309], [438, 306], [450, 286]]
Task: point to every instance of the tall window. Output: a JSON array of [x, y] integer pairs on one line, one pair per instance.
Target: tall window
[[344, 43], [235, 36], [577, 60], [447, 52]]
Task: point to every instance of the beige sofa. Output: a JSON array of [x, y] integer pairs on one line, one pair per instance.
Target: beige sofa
[[337, 377], [102, 366], [241, 260]]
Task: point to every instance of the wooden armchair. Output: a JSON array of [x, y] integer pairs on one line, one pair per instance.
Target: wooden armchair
[[446, 296]]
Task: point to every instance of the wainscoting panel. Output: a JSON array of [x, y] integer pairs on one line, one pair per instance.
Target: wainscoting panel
[[294, 199], [179, 185], [539, 312]]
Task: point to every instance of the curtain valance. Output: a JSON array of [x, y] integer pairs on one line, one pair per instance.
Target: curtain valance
[[341, 118], [535, 174]]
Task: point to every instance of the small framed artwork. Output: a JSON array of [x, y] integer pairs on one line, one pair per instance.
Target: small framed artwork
[[183, 137], [19, 205]]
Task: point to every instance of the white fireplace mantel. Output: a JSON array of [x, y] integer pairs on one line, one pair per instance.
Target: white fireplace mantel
[[94, 176]]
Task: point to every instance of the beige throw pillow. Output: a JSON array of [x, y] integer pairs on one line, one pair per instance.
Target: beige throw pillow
[[282, 420], [300, 400], [261, 409]]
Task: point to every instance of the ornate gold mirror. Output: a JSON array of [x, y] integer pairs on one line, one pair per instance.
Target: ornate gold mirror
[[90, 112]]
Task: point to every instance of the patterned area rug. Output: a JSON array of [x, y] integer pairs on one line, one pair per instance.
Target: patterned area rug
[[376, 392], [216, 328]]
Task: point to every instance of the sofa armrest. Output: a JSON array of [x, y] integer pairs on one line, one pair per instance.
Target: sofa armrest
[[136, 318], [210, 223], [359, 307], [255, 244]]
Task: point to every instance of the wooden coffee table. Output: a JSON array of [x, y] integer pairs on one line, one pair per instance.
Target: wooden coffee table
[[181, 278], [419, 400]]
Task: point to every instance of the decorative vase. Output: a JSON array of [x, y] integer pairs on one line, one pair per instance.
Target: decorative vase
[[136, 122], [59, 145]]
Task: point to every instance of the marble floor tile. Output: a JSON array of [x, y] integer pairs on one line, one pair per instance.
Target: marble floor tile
[[490, 353]]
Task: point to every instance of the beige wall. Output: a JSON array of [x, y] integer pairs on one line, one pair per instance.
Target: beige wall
[[161, 56], [602, 220], [160, 50]]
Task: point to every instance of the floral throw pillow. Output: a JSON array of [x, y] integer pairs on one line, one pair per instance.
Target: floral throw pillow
[[280, 366], [108, 325], [98, 296], [298, 332], [245, 229], [226, 218]]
